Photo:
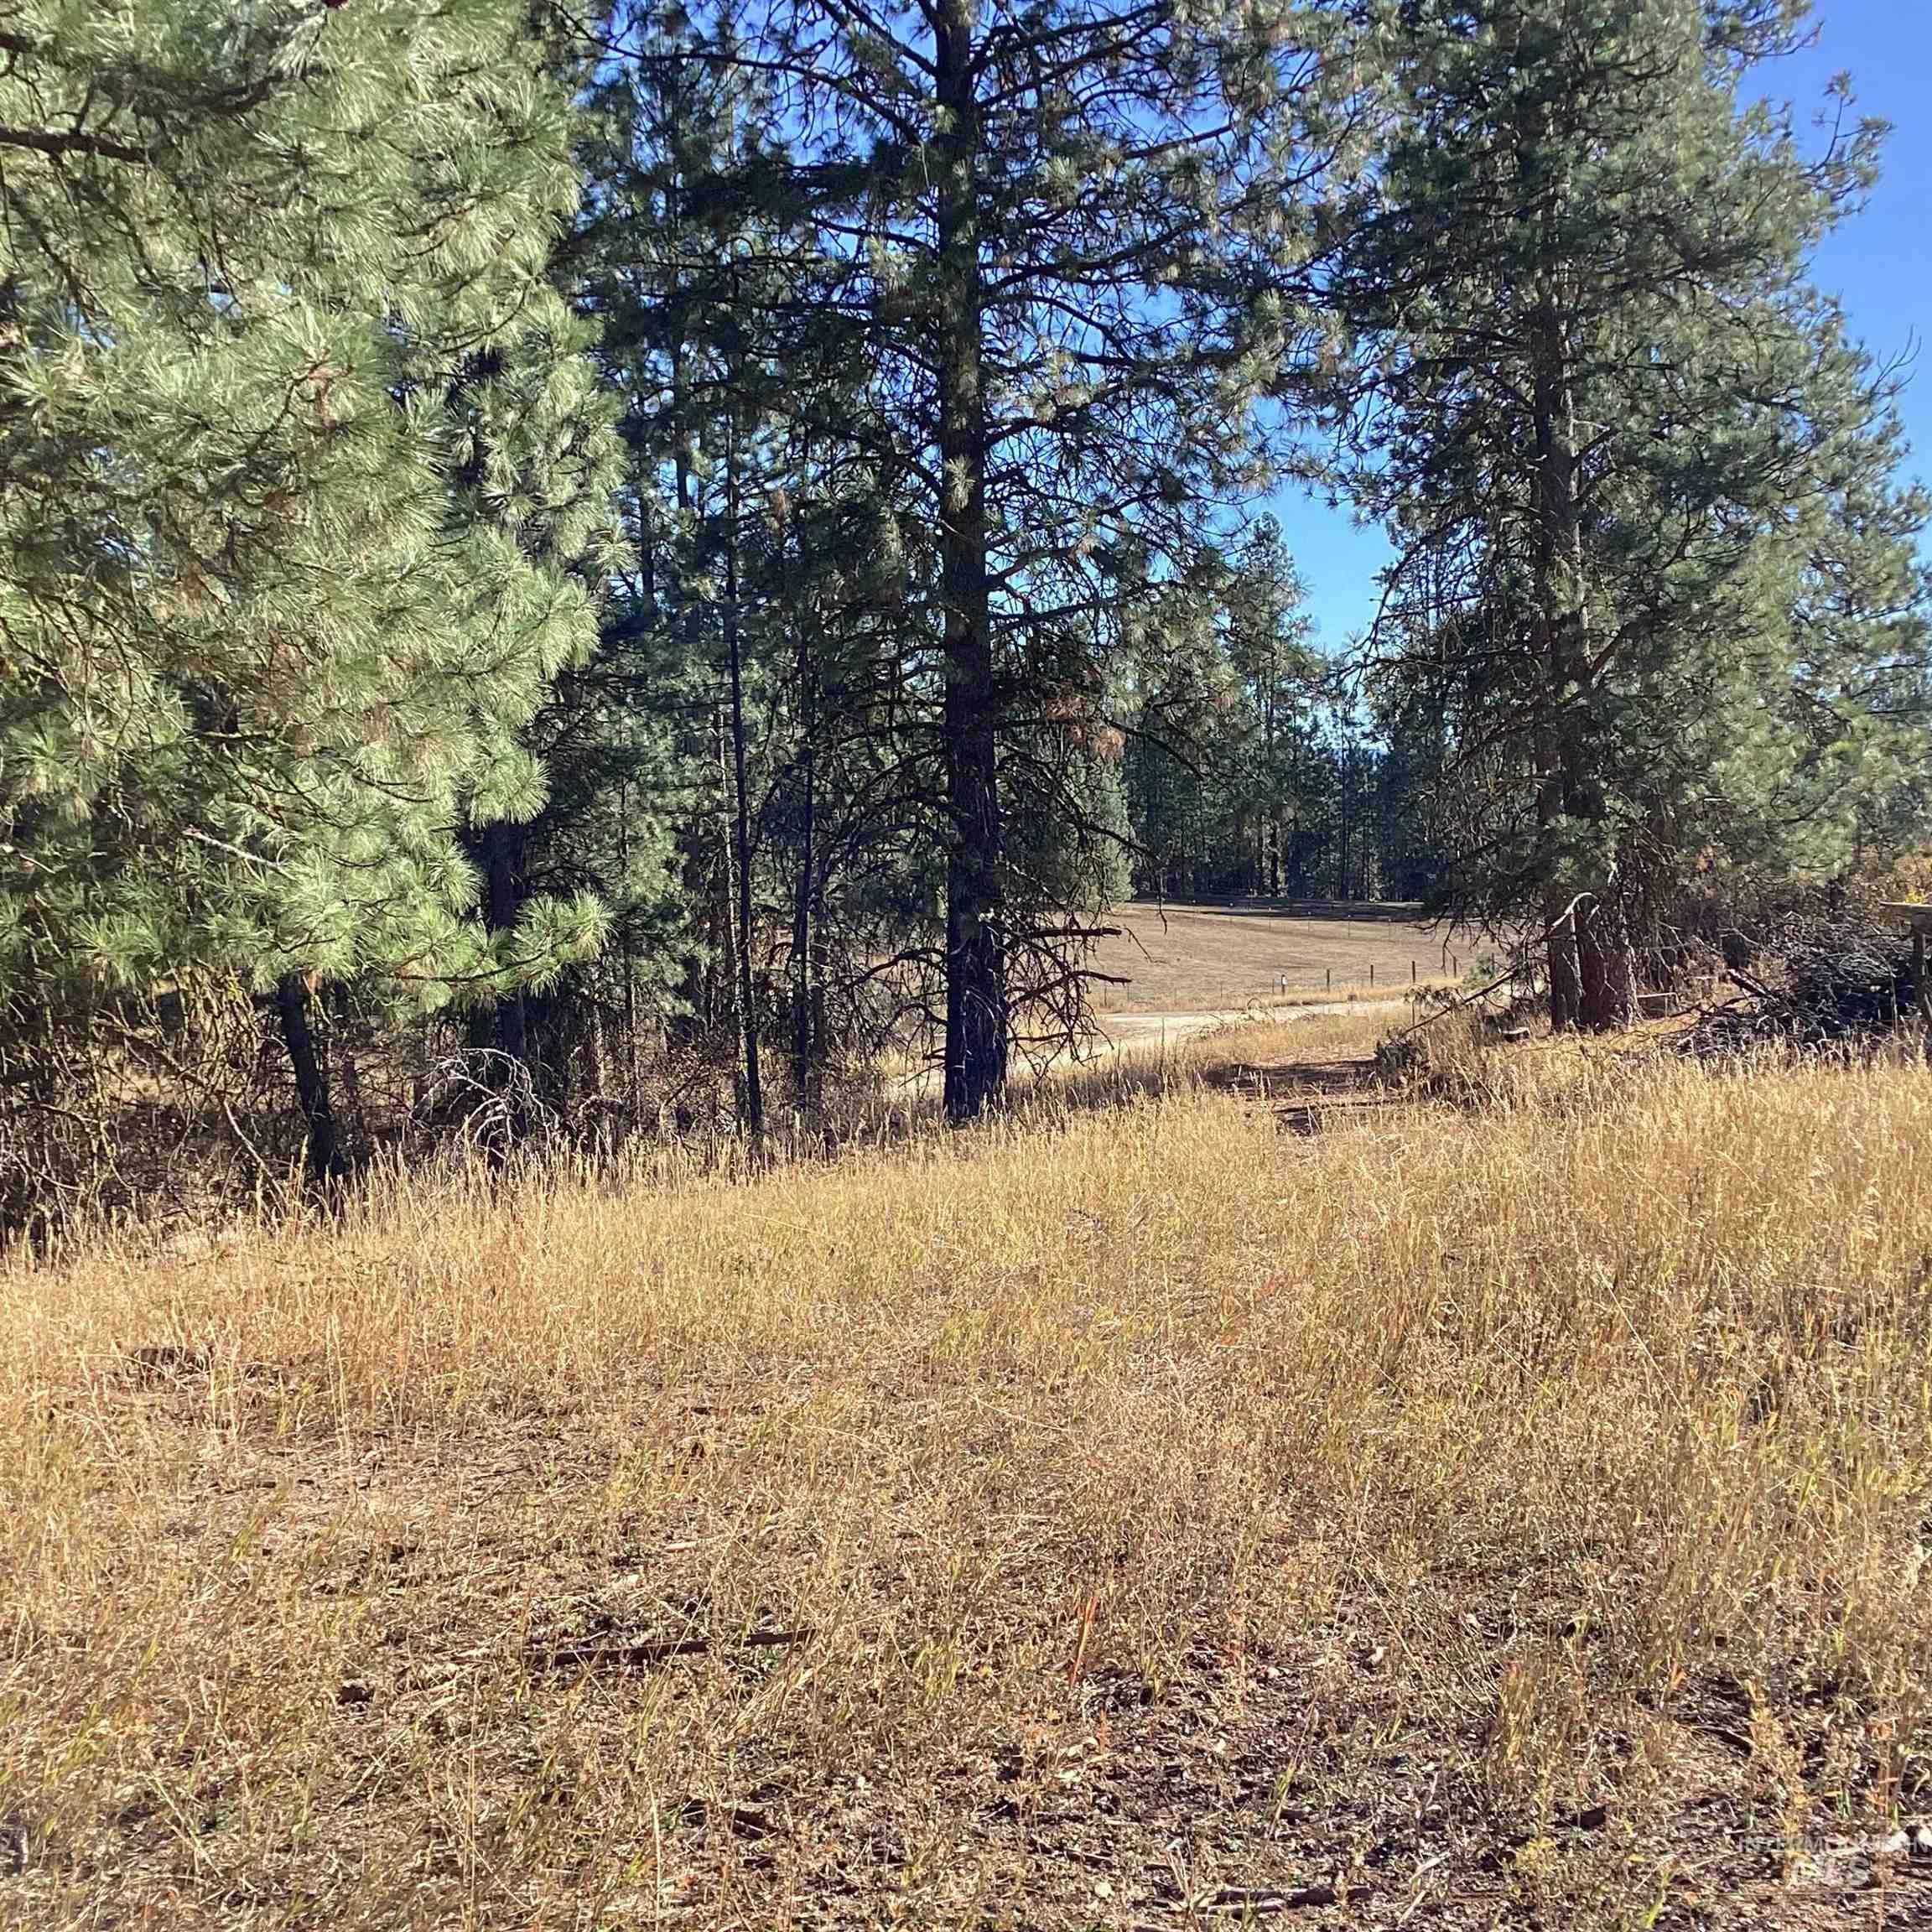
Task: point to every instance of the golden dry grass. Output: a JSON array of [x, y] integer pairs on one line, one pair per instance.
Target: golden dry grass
[[1356, 992], [1499, 1514], [1188, 958]]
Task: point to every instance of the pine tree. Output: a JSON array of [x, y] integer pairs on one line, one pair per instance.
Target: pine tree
[[1063, 234], [1268, 646], [769, 552], [299, 460], [1627, 452], [1249, 767]]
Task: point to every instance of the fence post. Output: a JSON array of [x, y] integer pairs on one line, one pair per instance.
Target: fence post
[[1371, 972]]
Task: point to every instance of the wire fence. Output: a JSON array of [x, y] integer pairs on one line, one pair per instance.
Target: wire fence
[[1421, 969]]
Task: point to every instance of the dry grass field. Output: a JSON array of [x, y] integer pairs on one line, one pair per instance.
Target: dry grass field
[[1182, 959], [1505, 1512]]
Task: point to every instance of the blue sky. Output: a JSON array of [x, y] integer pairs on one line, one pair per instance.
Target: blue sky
[[1879, 263]]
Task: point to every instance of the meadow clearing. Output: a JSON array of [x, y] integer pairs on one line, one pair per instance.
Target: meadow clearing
[[1178, 958], [1506, 1506]]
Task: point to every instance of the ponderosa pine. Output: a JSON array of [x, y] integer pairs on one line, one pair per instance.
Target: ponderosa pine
[[299, 457], [1652, 564], [1065, 231]]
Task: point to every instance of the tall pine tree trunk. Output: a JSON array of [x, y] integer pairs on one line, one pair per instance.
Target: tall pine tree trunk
[[497, 851], [1556, 552], [807, 1039], [976, 1030], [342, 1059], [807, 1045], [724, 987], [1590, 977], [322, 1158], [1271, 808], [1555, 756], [804, 1052], [1607, 968], [754, 1119], [1560, 957], [627, 959]]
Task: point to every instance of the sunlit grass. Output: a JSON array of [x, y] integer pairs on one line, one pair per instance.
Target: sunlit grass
[[1565, 1405]]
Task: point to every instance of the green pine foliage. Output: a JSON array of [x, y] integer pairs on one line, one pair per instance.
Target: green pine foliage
[[300, 462], [1066, 244], [1249, 771], [1653, 568]]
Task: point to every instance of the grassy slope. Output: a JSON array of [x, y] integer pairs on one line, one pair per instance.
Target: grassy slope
[[1513, 1515], [1187, 959]]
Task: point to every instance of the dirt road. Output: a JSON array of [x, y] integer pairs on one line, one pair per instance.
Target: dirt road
[[1134, 1030], [1133, 1035]]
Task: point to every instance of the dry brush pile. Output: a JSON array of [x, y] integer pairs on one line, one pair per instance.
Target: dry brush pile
[[1814, 980], [1472, 1516]]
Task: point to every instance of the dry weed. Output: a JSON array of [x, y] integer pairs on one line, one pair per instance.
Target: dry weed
[[1145, 1517]]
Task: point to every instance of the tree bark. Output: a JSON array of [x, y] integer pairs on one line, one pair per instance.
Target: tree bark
[[502, 900], [806, 1046], [1607, 968], [504, 1028], [742, 804], [804, 1054], [630, 964], [722, 985], [342, 1057], [807, 1037], [1561, 962], [1555, 510], [1557, 618], [976, 1022], [321, 1146]]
